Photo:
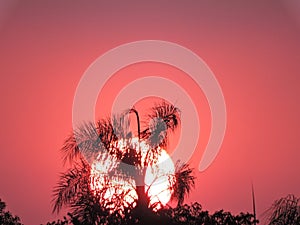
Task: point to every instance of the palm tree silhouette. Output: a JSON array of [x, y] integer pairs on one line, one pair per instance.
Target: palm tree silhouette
[[285, 210], [184, 182], [92, 142]]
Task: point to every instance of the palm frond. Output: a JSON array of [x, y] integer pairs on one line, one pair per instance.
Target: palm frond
[[87, 209], [88, 140], [121, 125], [70, 149], [284, 211], [70, 184], [83, 141], [184, 182], [164, 117], [106, 132], [168, 113]]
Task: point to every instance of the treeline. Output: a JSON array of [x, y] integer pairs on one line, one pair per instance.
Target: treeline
[[181, 215], [284, 211]]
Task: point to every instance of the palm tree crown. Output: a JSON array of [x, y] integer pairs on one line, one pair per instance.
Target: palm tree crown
[[110, 140]]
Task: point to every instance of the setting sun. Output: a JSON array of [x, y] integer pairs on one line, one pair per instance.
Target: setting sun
[[158, 180]]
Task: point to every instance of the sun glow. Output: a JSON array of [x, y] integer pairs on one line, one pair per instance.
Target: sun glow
[[159, 178]]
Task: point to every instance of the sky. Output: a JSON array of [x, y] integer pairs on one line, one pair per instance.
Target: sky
[[252, 48]]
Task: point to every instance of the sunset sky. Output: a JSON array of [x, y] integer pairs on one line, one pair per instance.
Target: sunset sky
[[252, 48]]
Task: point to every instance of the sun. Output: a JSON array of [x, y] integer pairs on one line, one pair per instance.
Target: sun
[[159, 178]]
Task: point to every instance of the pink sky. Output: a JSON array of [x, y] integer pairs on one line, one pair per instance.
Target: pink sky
[[252, 47]]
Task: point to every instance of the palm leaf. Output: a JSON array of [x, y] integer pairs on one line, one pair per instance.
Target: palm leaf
[[284, 211], [164, 117], [70, 184], [88, 140], [184, 182]]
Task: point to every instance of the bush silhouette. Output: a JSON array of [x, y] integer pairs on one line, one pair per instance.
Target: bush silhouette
[[6, 218]]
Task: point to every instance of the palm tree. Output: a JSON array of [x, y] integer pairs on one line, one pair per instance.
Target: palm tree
[[185, 181], [286, 210], [102, 142]]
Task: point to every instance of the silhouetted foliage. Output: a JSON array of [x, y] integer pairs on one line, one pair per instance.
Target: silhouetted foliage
[[194, 215], [181, 215], [184, 182], [65, 221], [6, 218], [286, 210], [101, 142]]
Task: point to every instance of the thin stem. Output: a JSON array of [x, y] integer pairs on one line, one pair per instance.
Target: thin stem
[[253, 204], [138, 121]]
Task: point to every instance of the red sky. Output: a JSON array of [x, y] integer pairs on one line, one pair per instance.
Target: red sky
[[252, 48]]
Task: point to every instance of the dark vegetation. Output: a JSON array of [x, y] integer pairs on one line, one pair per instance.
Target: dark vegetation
[[87, 206], [284, 211], [99, 141], [6, 217]]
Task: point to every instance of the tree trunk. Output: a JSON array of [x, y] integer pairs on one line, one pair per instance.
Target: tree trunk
[[143, 201]]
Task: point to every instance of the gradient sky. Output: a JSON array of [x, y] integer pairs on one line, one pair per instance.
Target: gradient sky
[[253, 48]]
